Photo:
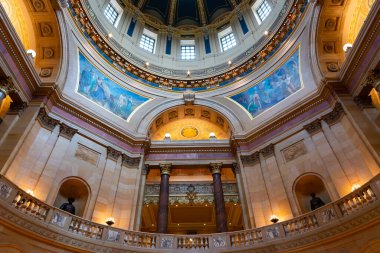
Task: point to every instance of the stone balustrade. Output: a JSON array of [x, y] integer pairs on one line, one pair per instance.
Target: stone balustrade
[[19, 205]]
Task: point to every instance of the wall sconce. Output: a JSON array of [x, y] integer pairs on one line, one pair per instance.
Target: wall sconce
[[30, 192], [355, 187], [167, 137], [31, 54], [274, 218], [110, 221], [229, 62], [109, 35], [266, 32], [146, 64], [188, 73], [212, 135], [347, 47]]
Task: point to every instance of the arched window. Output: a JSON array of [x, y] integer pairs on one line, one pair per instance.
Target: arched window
[[74, 188], [307, 184]]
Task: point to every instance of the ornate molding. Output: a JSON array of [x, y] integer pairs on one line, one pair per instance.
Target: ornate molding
[[336, 114], [251, 159], [67, 131], [17, 107], [47, 121], [165, 168], [313, 127], [216, 168], [268, 150], [113, 153], [145, 170], [130, 161]]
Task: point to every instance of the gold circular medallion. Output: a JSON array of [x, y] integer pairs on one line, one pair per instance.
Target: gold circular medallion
[[189, 132]]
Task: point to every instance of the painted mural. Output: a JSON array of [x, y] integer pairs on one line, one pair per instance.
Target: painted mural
[[279, 85], [94, 85]]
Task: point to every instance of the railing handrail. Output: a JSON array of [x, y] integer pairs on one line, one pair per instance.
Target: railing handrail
[[26, 203]]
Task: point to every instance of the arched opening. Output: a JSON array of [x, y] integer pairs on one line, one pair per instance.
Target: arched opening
[[73, 188], [307, 185], [190, 123]]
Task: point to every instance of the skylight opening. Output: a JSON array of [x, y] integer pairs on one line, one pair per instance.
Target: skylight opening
[[228, 41]]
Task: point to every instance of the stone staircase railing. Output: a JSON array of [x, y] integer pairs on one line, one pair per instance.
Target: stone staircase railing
[[17, 202]]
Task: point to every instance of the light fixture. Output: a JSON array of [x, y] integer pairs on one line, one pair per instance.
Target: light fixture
[[266, 32], [274, 218], [30, 192], [110, 221], [147, 64], [167, 137], [188, 73], [229, 62], [355, 187], [212, 135], [110, 35], [347, 47], [31, 53]]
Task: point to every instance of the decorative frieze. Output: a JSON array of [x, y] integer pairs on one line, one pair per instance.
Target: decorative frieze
[[67, 131], [130, 161], [47, 121], [113, 153]]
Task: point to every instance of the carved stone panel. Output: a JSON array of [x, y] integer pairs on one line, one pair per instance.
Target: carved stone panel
[[293, 151], [86, 154]]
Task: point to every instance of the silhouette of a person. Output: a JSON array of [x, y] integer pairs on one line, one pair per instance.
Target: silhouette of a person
[[315, 202], [68, 207]]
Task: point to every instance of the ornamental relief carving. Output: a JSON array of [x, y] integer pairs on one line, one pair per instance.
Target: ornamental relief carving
[[294, 151]]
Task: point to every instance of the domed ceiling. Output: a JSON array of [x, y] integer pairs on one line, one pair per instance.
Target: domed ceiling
[[179, 13]]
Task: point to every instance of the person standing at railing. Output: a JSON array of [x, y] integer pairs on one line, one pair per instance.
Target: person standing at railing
[[315, 202], [68, 207]]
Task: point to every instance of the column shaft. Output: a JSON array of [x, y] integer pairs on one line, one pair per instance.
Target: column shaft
[[163, 208], [220, 212]]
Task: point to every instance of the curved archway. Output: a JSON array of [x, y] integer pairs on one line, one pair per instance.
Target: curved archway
[[73, 187], [307, 184], [190, 123]]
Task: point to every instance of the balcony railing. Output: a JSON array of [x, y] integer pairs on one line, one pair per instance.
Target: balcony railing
[[16, 202]]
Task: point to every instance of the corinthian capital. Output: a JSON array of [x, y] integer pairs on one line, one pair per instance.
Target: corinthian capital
[[165, 168], [216, 168]]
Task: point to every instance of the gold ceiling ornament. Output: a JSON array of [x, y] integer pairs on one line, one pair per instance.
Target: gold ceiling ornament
[[189, 132], [216, 168], [165, 168]]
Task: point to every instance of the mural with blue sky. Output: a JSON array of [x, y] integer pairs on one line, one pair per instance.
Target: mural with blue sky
[[279, 85], [98, 88]]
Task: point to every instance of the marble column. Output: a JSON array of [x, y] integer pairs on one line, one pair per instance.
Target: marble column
[[221, 219], [163, 208]]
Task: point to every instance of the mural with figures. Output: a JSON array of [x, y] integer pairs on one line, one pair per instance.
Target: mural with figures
[[279, 85], [94, 85]]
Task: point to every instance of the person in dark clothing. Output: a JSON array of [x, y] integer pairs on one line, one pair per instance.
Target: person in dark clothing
[[315, 202], [68, 207]]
